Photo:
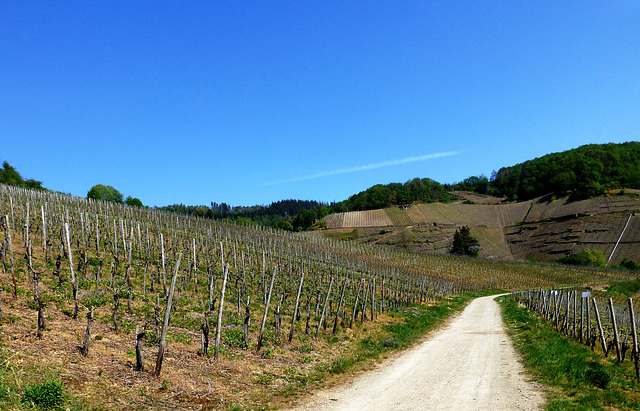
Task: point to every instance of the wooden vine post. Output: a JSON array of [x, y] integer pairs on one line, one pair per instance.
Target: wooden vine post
[[636, 355], [295, 310], [266, 310], [13, 274], [324, 308], [615, 331], [602, 339], [139, 349], [44, 233], [335, 322], [355, 304], [167, 316], [74, 285], [225, 274], [86, 342]]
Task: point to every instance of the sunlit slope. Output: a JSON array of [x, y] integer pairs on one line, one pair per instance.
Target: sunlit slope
[[556, 228], [459, 214], [544, 228]]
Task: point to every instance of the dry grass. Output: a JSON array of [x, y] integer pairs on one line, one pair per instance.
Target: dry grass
[[106, 378]]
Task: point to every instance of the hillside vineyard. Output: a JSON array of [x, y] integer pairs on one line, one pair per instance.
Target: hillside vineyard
[[147, 270]]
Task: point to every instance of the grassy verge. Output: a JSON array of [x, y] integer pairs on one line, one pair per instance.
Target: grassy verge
[[38, 387], [577, 379], [413, 323]]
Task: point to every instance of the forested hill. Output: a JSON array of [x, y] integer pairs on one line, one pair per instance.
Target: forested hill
[[422, 190], [583, 172], [580, 173], [285, 214]]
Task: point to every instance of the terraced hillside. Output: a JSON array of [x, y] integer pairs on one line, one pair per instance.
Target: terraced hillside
[[544, 228], [556, 228]]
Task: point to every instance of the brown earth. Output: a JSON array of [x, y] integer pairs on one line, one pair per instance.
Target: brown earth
[[107, 379]]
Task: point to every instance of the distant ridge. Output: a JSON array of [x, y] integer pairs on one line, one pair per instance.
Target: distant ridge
[[544, 228]]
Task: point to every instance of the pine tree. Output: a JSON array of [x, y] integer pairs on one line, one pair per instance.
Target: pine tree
[[463, 242]]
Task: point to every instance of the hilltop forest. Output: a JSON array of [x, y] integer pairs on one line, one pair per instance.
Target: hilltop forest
[[580, 173]]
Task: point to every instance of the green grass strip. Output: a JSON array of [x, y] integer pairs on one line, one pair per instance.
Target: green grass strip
[[576, 378]]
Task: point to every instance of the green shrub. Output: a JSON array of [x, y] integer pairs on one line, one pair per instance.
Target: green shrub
[[585, 257], [234, 337], [95, 299], [47, 395], [629, 264]]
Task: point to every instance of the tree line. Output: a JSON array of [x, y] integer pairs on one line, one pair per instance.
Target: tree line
[[11, 177], [583, 172]]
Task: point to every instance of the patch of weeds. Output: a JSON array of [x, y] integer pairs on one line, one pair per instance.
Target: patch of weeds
[[389, 343], [184, 321], [342, 364], [94, 298], [4, 393], [150, 338], [332, 339], [233, 337], [290, 372], [267, 353], [179, 337], [9, 319], [270, 336], [266, 378], [67, 312], [47, 395], [127, 325], [323, 367], [306, 348], [233, 318], [306, 359]]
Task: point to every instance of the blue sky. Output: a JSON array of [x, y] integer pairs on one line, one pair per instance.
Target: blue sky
[[250, 102]]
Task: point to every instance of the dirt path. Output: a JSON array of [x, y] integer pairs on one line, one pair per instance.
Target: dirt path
[[468, 365]]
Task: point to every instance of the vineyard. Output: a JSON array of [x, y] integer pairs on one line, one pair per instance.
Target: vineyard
[[142, 308], [544, 229]]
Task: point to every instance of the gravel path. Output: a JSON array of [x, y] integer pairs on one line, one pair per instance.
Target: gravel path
[[468, 365]]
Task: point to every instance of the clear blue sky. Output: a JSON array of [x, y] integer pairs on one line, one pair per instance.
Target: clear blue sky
[[250, 102]]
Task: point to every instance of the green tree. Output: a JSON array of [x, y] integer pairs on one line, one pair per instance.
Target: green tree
[[133, 201], [10, 176], [284, 225], [304, 220], [105, 193], [464, 243], [629, 264], [586, 257]]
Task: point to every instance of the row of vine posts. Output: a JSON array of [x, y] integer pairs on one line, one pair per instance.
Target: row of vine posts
[[95, 254], [578, 315]]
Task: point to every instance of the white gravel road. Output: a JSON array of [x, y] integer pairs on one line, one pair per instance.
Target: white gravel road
[[470, 364]]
